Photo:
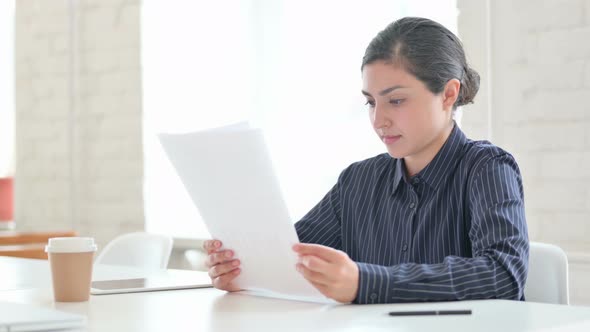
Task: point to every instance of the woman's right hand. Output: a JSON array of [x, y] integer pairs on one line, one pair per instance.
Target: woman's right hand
[[223, 268]]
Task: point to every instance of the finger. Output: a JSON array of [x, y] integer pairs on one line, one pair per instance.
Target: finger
[[312, 276], [211, 245], [324, 289], [219, 257], [221, 269], [315, 264], [325, 253], [224, 282]]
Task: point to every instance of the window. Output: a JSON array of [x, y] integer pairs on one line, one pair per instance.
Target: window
[[7, 88], [289, 67]]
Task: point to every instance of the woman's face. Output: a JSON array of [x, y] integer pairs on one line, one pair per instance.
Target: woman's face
[[407, 117]]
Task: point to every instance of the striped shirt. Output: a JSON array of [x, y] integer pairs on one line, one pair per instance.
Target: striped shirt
[[454, 231]]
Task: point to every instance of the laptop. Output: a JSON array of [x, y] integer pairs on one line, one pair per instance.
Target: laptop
[[27, 317], [151, 283]]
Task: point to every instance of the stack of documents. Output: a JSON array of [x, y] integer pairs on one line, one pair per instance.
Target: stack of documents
[[27, 317], [229, 176]]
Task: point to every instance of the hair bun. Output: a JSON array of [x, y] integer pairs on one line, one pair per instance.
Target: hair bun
[[469, 87]]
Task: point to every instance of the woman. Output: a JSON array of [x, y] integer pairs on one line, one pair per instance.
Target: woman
[[439, 217]]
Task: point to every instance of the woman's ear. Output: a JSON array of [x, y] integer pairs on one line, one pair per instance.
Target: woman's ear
[[451, 93]]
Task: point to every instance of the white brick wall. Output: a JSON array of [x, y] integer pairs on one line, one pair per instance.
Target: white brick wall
[[537, 58], [470, 26], [107, 154]]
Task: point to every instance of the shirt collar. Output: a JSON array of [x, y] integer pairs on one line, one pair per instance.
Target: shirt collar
[[398, 174], [440, 166]]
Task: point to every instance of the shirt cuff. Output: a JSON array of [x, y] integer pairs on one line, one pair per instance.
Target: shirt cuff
[[374, 282]]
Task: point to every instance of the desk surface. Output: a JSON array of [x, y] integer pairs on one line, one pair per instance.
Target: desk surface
[[28, 281]]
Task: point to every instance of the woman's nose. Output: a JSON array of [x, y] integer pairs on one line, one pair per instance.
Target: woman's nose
[[380, 119]]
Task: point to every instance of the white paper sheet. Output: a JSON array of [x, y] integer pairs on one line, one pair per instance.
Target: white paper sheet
[[228, 174]]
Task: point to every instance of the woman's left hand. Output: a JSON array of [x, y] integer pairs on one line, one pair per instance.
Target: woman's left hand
[[331, 271]]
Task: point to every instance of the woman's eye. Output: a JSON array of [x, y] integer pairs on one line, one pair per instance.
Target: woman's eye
[[396, 102], [370, 103]]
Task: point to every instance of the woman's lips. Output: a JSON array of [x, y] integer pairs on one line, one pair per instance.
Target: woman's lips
[[390, 139]]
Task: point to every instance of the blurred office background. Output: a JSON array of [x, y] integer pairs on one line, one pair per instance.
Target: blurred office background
[[86, 84]]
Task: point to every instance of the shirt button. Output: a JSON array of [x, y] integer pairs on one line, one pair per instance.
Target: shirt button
[[373, 296], [404, 247], [416, 181], [412, 205]]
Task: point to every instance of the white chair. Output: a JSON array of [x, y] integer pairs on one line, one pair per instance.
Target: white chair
[[548, 275], [194, 259], [144, 250]]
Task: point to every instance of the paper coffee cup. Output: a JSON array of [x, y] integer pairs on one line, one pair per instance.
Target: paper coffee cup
[[70, 259]]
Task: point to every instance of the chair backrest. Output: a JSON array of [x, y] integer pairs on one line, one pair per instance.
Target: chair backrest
[[548, 275], [144, 250], [195, 259]]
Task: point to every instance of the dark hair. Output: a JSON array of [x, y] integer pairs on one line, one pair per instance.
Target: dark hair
[[427, 50]]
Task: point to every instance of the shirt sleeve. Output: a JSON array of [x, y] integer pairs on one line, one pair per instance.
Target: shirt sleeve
[[499, 242], [322, 224]]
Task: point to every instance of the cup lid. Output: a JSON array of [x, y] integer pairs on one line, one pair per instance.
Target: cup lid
[[70, 244]]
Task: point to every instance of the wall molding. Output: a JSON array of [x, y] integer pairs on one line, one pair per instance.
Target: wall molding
[[181, 243], [578, 258]]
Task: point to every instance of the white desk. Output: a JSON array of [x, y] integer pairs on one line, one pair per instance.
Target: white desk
[[28, 281]]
